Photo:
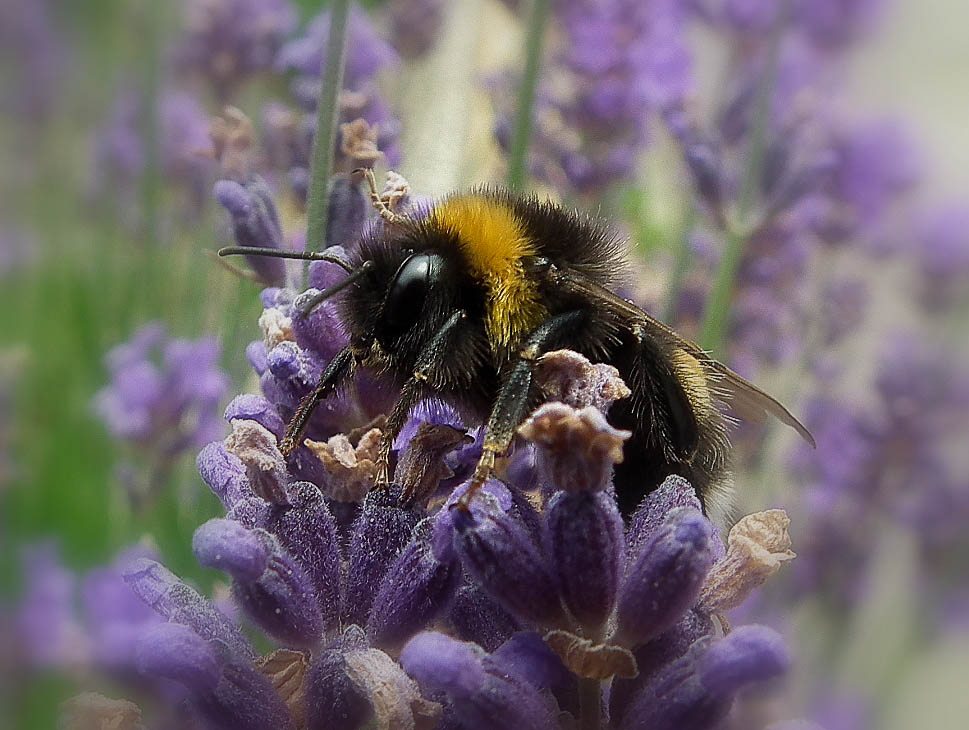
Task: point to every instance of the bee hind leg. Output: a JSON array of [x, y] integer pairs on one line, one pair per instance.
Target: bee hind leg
[[512, 403]]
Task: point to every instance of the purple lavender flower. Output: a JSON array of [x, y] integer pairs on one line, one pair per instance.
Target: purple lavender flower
[[49, 631], [184, 147], [943, 256], [368, 54], [415, 25], [33, 44], [163, 397], [226, 42], [618, 61], [874, 456]]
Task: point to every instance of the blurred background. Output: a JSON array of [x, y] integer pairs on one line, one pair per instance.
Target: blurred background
[[793, 178]]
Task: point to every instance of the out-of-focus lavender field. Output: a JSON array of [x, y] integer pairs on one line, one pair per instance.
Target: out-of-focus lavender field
[[792, 178]]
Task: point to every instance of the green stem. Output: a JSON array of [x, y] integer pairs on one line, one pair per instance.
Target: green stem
[[327, 116], [739, 229], [152, 16], [518, 158], [590, 704], [681, 264]]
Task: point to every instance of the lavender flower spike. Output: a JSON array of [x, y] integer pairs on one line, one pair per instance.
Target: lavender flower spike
[[584, 529], [255, 223]]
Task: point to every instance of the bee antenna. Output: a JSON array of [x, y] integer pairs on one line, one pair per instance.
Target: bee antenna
[[280, 254], [310, 304]]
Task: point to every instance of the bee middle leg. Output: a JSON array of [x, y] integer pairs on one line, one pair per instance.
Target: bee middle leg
[[510, 407]]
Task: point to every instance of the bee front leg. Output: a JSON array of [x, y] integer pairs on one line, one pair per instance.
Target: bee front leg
[[338, 370], [414, 389], [510, 407]]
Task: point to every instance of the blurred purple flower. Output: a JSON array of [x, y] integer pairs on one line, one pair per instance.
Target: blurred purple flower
[[184, 147], [368, 54], [618, 61], [415, 25], [226, 42], [31, 43], [942, 255], [48, 630], [163, 397]]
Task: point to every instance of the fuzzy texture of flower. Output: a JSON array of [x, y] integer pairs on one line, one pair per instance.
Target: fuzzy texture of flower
[[255, 223]]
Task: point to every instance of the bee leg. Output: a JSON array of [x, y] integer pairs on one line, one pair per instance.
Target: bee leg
[[512, 402], [428, 362], [339, 369], [376, 200]]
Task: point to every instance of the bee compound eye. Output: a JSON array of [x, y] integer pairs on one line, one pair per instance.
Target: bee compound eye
[[408, 291]]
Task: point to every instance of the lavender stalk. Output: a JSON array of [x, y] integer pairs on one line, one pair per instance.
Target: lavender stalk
[[327, 112], [518, 158], [716, 314]]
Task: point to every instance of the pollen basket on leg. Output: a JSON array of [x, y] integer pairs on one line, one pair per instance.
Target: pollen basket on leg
[[495, 245]]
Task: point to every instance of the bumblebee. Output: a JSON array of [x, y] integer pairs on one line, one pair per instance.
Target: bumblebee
[[460, 305]]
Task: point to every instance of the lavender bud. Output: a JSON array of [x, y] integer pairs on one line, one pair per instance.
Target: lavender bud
[[349, 211], [243, 700], [249, 407], [334, 701], [586, 543], [475, 617], [228, 546], [577, 447], [527, 656], [483, 695], [167, 595], [502, 558], [281, 600], [380, 533], [174, 651], [674, 492], [666, 579], [656, 654], [416, 588], [696, 691], [224, 473], [255, 223], [308, 532]]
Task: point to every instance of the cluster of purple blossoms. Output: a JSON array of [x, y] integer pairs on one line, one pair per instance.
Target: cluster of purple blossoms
[[413, 614], [615, 63], [226, 42], [163, 399], [415, 25]]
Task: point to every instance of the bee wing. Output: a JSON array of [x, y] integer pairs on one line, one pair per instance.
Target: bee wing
[[746, 399], [750, 402]]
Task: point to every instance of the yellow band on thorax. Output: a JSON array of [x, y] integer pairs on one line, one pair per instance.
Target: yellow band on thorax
[[494, 244]]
